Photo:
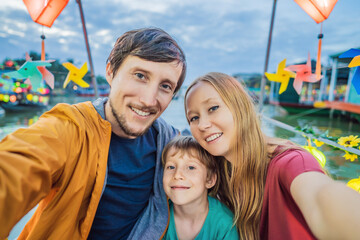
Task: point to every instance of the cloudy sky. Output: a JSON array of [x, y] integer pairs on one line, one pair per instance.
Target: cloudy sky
[[225, 35]]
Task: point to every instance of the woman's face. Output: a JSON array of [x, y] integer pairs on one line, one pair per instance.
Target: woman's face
[[211, 122]]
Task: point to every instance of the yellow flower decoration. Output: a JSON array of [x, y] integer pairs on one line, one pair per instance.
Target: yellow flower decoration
[[354, 184], [318, 143], [350, 156], [349, 141]]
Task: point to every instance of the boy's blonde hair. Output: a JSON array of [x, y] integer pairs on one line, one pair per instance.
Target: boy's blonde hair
[[188, 145]]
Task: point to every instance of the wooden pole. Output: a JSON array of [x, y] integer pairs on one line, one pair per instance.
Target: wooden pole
[[88, 49], [263, 79]]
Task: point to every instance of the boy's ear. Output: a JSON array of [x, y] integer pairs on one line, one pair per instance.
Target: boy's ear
[[210, 182], [109, 74]]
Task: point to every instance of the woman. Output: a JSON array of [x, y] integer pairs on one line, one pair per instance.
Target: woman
[[275, 189]]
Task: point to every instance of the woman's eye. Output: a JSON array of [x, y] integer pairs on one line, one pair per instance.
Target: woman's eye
[[213, 108], [140, 75], [194, 118]]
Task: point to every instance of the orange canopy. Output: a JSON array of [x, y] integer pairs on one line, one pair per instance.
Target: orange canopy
[[45, 12], [319, 10]]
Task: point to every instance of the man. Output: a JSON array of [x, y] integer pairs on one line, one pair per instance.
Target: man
[[95, 168]]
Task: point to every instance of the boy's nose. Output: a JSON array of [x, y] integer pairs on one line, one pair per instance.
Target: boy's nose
[[178, 174]]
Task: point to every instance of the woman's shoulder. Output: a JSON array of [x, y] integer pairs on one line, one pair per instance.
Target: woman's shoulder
[[290, 163], [294, 156]]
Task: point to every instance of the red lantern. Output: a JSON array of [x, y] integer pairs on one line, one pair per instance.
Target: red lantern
[[45, 12], [319, 10]]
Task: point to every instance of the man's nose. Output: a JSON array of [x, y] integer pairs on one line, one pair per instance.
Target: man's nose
[[149, 96]]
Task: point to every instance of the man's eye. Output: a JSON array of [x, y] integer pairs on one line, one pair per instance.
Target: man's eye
[[140, 75], [213, 108], [194, 118], [167, 87]]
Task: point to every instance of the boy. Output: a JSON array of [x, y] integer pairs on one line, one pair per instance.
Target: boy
[[189, 173]]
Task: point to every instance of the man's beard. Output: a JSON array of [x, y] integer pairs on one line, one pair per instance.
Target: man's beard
[[120, 119]]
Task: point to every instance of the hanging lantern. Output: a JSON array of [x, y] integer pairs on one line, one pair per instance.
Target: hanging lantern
[[319, 10], [44, 12]]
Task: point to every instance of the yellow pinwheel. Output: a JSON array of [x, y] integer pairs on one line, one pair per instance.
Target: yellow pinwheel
[[282, 76], [75, 74], [355, 62]]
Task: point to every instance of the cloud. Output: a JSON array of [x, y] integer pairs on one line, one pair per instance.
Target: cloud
[[12, 5], [228, 35]]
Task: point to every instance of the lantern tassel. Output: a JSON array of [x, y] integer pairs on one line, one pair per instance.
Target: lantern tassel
[[318, 61], [43, 47]]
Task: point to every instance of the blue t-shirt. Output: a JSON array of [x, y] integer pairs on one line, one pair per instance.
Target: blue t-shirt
[[131, 168]]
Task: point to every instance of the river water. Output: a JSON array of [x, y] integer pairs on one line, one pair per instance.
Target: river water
[[336, 165]]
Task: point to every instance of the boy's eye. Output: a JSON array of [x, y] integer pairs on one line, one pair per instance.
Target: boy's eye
[[213, 108], [170, 167], [194, 118], [140, 75], [191, 167]]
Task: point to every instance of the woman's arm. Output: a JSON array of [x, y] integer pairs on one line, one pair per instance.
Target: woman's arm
[[331, 209]]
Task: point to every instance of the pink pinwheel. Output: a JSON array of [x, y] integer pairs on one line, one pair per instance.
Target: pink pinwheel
[[303, 74]]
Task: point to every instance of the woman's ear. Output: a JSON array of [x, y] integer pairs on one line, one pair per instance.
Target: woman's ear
[[109, 74], [210, 182]]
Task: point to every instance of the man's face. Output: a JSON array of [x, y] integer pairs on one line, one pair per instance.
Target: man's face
[[140, 91]]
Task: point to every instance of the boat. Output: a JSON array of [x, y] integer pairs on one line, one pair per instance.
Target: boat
[[14, 102]]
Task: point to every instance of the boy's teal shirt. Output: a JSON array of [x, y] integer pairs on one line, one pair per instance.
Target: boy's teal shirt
[[218, 223]]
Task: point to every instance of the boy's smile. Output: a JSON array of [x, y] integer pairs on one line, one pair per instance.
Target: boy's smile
[[185, 178]]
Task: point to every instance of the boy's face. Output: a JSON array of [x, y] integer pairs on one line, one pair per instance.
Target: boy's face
[[185, 179], [140, 91]]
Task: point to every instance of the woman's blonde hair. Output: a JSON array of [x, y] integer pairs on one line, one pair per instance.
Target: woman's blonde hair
[[243, 180]]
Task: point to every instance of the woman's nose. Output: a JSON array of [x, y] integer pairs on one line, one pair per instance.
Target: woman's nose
[[204, 123]]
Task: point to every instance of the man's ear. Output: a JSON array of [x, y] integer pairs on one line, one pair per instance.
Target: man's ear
[[210, 182], [109, 74]]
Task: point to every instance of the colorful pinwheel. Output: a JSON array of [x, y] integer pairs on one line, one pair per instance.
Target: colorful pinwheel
[[355, 62], [46, 74], [30, 70], [75, 74], [282, 75], [303, 74]]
